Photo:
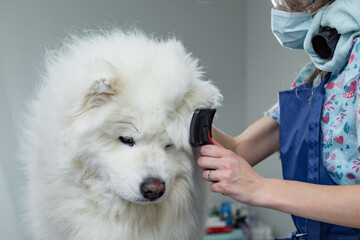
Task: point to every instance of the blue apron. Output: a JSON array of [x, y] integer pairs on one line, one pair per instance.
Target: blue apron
[[301, 157]]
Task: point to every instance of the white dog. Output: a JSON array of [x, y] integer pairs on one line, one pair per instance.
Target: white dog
[[107, 144]]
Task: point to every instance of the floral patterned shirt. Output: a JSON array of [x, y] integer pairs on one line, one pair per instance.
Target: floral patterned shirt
[[340, 119]]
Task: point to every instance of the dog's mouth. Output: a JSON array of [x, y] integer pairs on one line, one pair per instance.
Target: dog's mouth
[[143, 200], [146, 201]]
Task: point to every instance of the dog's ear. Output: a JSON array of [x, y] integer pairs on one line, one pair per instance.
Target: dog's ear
[[203, 94], [102, 89], [103, 84]]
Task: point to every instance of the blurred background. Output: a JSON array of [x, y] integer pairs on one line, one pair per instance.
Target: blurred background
[[232, 38]]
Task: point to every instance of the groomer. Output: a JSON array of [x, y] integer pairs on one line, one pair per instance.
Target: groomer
[[315, 126]]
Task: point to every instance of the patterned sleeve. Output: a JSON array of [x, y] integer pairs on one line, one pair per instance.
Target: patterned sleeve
[[304, 74], [274, 112], [354, 68]]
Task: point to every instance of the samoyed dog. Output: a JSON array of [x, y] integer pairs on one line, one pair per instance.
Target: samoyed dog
[[107, 147]]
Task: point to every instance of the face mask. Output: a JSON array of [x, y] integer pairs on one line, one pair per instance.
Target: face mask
[[290, 29]]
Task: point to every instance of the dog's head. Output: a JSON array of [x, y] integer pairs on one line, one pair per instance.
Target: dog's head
[[131, 117]]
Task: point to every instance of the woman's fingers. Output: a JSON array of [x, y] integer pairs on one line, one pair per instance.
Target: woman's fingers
[[216, 187], [229, 174], [214, 151], [211, 175], [217, 144], [208, 163]]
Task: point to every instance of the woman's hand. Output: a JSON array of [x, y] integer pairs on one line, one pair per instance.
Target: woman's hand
[[231, 175]]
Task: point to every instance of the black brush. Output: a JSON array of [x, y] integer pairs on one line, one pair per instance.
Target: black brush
[[200, 127]]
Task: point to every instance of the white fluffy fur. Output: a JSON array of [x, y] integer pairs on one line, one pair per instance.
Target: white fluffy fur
[[83, 183]]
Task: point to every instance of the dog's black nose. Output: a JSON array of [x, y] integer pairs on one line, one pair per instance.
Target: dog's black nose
[[152, 188]]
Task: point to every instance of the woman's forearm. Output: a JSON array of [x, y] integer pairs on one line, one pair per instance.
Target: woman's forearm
[[333, 204], [256, 143], [225, 140]]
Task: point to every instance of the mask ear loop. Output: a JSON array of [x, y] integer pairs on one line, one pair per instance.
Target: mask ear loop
[[326, 4], [282, 5], [312, 3]]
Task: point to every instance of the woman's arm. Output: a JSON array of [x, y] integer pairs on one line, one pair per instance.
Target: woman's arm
[[256, 143], [333, 204], [232, 175]]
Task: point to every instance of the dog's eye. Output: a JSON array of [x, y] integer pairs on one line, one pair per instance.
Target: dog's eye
[[168, 146], [127, 140]]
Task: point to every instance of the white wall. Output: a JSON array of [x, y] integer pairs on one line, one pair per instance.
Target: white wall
[[8, 223], [9, 228], [213, 30]]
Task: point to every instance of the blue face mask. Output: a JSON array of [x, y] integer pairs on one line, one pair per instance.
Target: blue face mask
[[290, 29]]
